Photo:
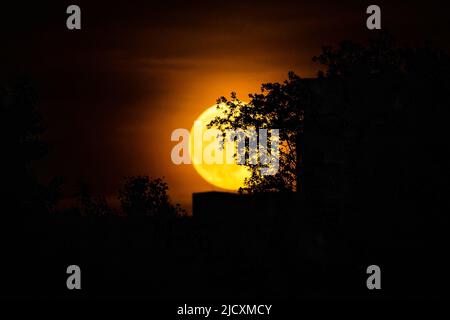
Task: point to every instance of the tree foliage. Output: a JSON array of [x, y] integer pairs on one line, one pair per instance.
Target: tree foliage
[[21, 140], [364, 82], [143, 196], [278, 106]]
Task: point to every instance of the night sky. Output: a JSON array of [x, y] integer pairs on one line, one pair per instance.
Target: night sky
[[111, 93]]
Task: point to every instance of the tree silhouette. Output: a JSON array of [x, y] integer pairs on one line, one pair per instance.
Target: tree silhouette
[[391, 100], [278, 106], [141, 196], [360, 84], [21, 132]]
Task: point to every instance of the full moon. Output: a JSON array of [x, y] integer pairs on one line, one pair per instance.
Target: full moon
[[225, 176]]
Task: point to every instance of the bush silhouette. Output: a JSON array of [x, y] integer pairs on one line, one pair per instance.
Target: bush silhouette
[[142, 196]]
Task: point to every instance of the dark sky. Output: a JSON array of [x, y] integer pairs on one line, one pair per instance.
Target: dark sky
[[111, 93]]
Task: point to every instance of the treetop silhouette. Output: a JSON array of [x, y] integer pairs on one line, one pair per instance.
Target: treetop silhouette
[[359, 87], [142, 196]]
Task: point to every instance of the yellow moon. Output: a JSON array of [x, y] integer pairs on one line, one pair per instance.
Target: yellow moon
[[226, 176]]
